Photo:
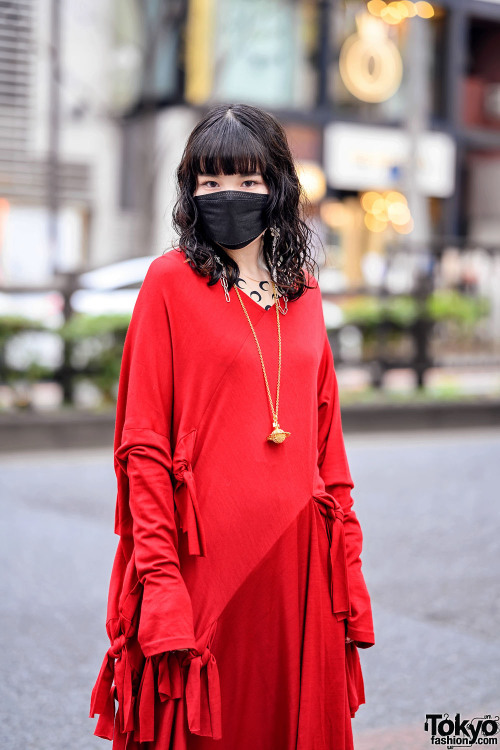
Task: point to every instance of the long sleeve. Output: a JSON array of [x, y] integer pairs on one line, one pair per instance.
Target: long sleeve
[[150, 612], [334, 469], [143, 459]]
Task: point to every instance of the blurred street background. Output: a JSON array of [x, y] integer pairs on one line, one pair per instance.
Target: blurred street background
[[392, 111]]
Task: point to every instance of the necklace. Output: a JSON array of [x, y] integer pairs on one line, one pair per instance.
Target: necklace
[[258, 291], [277, 435], [259, 281]]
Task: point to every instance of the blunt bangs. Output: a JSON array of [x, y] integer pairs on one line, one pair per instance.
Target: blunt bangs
[[227, 147]]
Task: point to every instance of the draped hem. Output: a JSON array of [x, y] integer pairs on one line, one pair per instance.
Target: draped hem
[[135, 681]]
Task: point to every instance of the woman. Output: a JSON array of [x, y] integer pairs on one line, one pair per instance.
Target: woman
[[237, 601]]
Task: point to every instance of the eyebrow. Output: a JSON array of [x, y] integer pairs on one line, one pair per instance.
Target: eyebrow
[[242, 174]]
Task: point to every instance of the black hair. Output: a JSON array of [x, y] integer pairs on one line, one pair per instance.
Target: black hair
[[242, 139]]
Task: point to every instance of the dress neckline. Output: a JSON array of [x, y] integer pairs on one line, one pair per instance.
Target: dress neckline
[[255, 304], [248, 294], [261, 307]]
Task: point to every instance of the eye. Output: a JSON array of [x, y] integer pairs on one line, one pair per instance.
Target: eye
[[253, 181], [209, 183]]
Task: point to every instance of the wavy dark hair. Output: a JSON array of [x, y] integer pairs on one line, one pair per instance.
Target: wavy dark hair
[[241, 139]]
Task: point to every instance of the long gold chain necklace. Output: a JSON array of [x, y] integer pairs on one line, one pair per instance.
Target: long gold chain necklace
[[277, 435]]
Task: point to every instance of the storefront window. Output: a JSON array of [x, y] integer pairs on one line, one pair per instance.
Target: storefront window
[[481, 100], [368, 77], [260, 52], [146, 55]]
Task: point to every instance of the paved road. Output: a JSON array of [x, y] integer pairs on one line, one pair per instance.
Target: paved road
[[430, 511]]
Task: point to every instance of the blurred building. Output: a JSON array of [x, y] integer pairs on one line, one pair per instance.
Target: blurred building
[[392, 111], [60, 141]]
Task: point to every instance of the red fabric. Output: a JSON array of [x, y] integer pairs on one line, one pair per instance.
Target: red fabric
[[243, 551]]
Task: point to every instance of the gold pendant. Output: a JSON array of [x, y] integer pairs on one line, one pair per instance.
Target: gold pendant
[[278, 435]]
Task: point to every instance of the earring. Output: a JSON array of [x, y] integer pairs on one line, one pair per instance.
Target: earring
[[275, 231], [223, 278]]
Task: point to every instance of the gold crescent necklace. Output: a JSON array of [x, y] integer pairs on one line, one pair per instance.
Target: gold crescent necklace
[[277, 435]]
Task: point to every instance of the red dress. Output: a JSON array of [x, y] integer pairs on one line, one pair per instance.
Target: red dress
[[244, 551]]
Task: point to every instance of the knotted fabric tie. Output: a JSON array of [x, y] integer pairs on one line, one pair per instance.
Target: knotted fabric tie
[[202, 695], [203, 705], [103, 693], [355, 682], [331, 509], [185, 495]]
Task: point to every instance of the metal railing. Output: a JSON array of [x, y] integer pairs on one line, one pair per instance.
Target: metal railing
[[449, 315]]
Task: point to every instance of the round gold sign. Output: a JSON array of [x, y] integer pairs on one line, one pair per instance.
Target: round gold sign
[[370, 64]]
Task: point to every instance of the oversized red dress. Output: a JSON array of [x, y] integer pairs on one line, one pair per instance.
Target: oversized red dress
[[244, 551]]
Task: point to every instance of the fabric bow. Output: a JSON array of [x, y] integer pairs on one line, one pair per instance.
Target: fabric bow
[[202, 697], [104, 692], [355, 682], [200, 705], [331, 509], [185, 495]]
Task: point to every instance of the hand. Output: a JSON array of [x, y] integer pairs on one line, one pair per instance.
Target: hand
[[348, 640]]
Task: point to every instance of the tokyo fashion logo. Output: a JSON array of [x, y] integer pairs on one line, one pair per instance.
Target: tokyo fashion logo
[[460, 732]]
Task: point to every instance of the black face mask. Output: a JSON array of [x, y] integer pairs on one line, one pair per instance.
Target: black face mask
[[233, 218]]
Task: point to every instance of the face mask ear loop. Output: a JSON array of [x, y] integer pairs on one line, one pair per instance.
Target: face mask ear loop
[[223, 278], [275, 231]]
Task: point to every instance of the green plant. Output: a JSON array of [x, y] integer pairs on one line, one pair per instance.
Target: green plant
[[95, 344], [402, 310], [450, 304], [363, 310], [366, 310], [11, 325], [81, 326]]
